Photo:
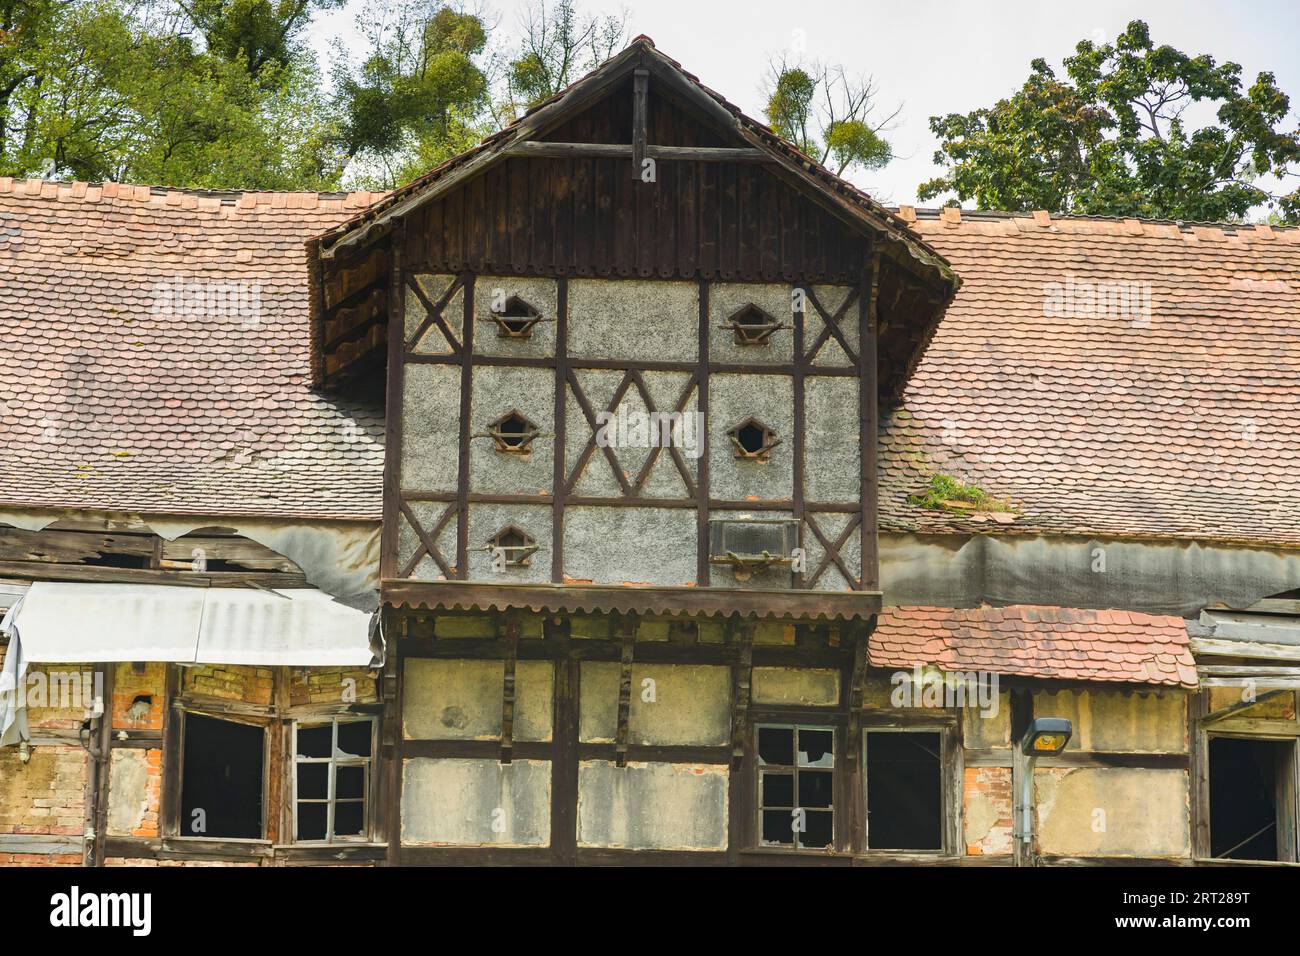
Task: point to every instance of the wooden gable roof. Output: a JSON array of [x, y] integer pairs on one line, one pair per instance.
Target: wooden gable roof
[[553, 194]]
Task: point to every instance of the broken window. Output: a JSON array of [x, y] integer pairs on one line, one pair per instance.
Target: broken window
[[222, 778], [512, 547], [796, 786], [752, 326], [516, 318], [331, 782], [904, 790], [753, 440], [513, 433], [1252, 798]]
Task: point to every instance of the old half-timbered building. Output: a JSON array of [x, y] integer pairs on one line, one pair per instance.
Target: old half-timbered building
[[635, 354], [630, 489]]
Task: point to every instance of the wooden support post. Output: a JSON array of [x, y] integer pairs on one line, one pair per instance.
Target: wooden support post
[[392, 750], [628, 625], [742, 681], [508, 692], [640, 87], [564, 764], [854, 840], [103, 763]]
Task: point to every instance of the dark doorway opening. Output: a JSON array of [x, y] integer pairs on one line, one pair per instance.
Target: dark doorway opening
[[221, 779], [1248, 797], [904, 791]]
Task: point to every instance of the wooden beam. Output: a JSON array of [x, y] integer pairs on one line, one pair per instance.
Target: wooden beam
[[1239, 706], [537, 149], [640, 107], [508, 688], [628, 625]]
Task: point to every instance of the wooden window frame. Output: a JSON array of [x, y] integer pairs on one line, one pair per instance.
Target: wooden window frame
[[173, 826], [837, 769], [1289, 850], [1204, 726], [333, 762], [950, 790]]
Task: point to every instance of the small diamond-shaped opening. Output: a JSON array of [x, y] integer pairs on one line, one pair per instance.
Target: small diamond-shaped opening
[[513, 432], [752, 325], [515, 545], [752, 439], [517, 317]]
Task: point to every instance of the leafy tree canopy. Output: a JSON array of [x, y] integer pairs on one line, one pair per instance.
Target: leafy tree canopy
[[419, 96], [828, 115], [1116, 136], [106, 90]]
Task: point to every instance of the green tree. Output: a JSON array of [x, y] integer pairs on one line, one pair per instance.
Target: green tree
[[420, 95], [829, 115], [1113, 137], [110, 91], [558, 45], [258, 32]]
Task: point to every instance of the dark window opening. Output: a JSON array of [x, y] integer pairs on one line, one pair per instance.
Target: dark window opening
[[796, 786], [222, 778], [753, 440], [332, 767], [752, 326], [1250, 797], [516, 319], [904, 790], [513, 546], [513, 433]]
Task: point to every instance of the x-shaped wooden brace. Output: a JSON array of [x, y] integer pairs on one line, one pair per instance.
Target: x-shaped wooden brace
[[435, 310], [832, 551], [631, 489], [831, 325], [428, 541]]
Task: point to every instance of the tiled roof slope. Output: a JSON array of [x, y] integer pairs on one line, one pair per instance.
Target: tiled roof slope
[[1177, 421], [118, 393], [1030, 641]]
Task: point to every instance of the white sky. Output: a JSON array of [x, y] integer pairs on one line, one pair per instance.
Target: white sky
[[933, 57]]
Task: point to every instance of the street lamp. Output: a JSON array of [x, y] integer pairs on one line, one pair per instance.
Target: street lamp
[[1045, 736]]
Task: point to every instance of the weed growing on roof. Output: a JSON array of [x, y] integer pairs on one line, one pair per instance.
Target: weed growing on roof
[[946, 493]]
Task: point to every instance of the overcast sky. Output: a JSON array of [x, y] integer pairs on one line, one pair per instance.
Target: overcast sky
[[930, 56]]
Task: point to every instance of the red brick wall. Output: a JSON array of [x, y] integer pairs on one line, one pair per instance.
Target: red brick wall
[[988, 811]]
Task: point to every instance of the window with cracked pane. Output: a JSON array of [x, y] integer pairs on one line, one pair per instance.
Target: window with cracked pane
[[333, 760], [796, 786]]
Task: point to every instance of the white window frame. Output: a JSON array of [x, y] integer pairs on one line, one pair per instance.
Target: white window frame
[[333, 762]]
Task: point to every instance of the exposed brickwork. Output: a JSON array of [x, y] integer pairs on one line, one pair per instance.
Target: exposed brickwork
[[329, 686], [989, 806], [40, 859], [1033, 641], [47, 794], [251, 685], [58, 696], [128, 684]]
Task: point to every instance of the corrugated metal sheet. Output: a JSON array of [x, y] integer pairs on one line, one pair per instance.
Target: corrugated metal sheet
[[65, 622]]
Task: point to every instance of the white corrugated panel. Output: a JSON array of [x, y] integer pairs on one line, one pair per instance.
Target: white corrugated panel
[[64, 622], [85, 623], [297, 628]]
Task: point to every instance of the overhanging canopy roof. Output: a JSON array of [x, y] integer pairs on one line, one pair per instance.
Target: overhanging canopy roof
[[62, 622]]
